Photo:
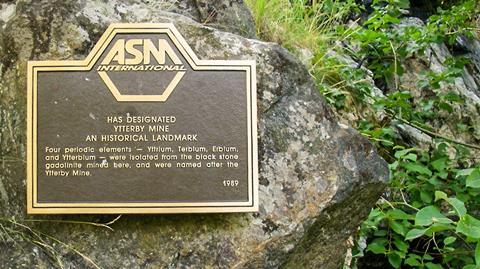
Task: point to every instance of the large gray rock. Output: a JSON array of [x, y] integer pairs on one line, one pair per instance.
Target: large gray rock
[[318, 178]]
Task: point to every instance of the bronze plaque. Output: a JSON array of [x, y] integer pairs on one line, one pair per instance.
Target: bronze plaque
[[142, 126]]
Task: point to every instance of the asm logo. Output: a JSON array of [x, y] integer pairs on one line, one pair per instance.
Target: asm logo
[[140, 52], [139, 55]]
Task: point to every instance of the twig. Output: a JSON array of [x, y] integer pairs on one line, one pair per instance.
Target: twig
[[434, 134], [435, 243], [103, 225], [405, 201], [395, 76], [387, 202], [114, 220]]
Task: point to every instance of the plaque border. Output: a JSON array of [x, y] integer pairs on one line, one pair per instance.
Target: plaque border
[[33, 67]]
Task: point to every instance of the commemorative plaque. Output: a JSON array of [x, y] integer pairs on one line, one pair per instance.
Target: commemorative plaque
[[141, 126]]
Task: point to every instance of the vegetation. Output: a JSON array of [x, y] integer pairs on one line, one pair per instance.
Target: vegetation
[[429, 217], [13, 231]]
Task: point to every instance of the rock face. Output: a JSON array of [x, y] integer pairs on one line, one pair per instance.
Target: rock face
[[318, 178], [433, 60], [466, 86]]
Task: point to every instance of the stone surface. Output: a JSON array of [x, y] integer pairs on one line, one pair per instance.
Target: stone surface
[[467, 86], [318, 178], [229, 15]]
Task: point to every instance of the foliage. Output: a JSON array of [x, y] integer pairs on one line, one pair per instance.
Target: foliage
[[429, 217]]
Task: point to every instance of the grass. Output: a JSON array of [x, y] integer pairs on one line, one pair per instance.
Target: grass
[[313, 31], [13, 231], [300, 27]]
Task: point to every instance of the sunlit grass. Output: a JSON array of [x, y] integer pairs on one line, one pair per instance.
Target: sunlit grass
[[297, 25], [310, 30]]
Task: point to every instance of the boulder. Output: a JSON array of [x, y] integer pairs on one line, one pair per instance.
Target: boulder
[[318, 178]]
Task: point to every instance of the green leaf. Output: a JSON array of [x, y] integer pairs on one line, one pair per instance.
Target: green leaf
[[412, 261], [440, 195], [397, 214], [414, 233], [451, 96], [394, 259], [429, 215], [473, 180], [405, 4], [449, 240], [380, 233], [411, 157], [458, 205], [398, 227], [418, 168], [464, 172], [469, 226], [439, 227], [435, 181], [439, 164], [378, 246], [426, 196], [430, 265], [401, 245], [374, 213], [445, 106], [427, 257], [400, 153], [442, 175], [393, 166]]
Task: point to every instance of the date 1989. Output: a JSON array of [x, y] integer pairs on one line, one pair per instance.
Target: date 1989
[[230, 183]]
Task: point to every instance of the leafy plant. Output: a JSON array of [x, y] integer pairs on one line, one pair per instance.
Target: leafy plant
[[429, 217]]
